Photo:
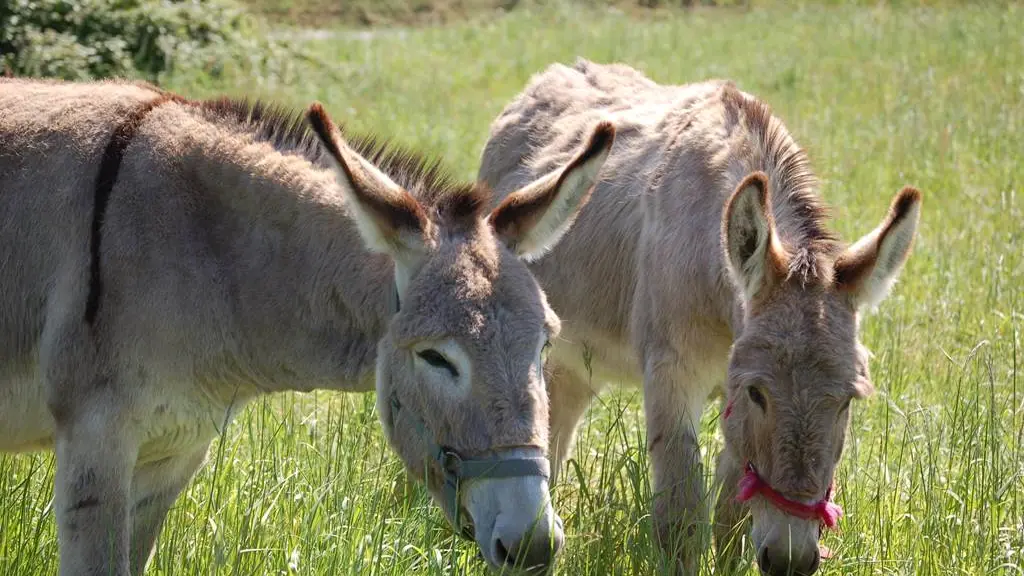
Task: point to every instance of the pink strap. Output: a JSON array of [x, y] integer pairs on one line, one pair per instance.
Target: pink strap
[[825, 510]]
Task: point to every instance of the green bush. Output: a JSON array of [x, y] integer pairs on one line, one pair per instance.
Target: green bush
[[79, 39]]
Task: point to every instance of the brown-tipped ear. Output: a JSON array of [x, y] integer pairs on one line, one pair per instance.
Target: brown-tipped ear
[[389, 219], [868, 269], [534, 218], [755, 256]]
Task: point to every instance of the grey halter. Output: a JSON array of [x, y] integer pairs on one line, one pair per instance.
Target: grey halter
[[455, 468]]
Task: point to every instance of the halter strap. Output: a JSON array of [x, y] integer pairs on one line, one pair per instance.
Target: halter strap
[[825, 510], [752, 484], [455, 468]]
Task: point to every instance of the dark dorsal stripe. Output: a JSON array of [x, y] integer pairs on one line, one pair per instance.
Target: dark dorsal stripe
[[110, 165]]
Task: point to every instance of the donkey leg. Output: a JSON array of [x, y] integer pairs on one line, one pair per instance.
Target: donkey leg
[[731, 519], [155, 487], [680, 509], [92, 485], [569, 396], [676, 388]]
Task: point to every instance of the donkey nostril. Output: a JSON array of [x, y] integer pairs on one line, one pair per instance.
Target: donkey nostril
[[501, 553], [764, 562], [816, 561], [527, 554], [782, 567]]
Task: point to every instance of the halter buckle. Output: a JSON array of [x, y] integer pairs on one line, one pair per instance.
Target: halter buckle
[[451, 462]]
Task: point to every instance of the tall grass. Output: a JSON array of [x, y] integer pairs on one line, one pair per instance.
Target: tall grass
[[933, 478]]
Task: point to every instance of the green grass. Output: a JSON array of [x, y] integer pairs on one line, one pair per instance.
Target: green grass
[[933, 478]]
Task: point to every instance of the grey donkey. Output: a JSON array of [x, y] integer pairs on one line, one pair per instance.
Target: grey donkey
[[164, 261], [703, 259]]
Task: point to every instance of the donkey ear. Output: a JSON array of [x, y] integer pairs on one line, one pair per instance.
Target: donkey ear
[[869, 268], [389, 219], [754, 254], [534, 218]]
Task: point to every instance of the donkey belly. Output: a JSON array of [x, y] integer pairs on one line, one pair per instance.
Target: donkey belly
[[597, 359], [180, 418], [25, 421]]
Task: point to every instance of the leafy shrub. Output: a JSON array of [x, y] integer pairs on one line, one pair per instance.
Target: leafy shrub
[[79, 39]]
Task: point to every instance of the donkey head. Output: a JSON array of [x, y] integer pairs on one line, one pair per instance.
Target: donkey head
[[460, 386], [797, 364]]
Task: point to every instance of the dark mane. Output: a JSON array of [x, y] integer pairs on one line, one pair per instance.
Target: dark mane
[[285, 129], [426, 178], [795, 191], [422, 176]]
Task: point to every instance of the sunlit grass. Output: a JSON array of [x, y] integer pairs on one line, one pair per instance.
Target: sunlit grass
[[933, 479]]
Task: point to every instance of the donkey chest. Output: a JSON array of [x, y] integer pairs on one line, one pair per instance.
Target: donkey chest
[[25, 421], [180, 421]]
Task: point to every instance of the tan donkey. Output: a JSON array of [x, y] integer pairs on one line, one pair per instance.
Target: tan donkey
[[704, 256], [164, 261]]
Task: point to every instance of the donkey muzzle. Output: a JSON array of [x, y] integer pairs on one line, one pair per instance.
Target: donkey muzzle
[[514, 523]]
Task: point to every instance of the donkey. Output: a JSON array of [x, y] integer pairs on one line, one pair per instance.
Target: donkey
[[704, 256], [164, 261]]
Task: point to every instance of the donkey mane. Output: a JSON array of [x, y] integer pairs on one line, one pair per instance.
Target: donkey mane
[[425, 177], [797, 204]]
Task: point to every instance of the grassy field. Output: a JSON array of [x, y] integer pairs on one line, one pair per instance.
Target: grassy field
[[933, 478]]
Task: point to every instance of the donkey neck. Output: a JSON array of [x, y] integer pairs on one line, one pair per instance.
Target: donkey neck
[[308, 301]]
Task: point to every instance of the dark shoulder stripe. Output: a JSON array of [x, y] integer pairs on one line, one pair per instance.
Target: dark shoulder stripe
[[110, 165]]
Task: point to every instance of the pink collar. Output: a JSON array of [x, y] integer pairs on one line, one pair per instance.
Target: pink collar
[[826, 511], [752, 484]]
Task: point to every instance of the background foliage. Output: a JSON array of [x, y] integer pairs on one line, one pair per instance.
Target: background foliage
[[78, 39]]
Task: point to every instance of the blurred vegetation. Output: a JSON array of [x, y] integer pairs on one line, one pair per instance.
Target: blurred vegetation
[[323, 13], [78, 39], [419, 12]]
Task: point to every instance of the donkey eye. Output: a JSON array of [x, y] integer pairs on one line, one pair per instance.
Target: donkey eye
[[437, 360], [756, 397]]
